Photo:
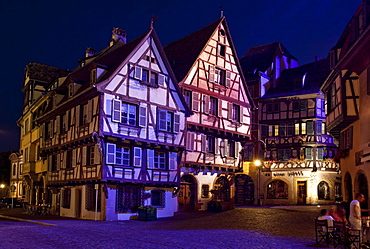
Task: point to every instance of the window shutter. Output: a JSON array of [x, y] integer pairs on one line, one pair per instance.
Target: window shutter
[[43, 129], [74, 152], [142, 116], [161, 79], [173, 161], [162, 114], [350, 137], [195, 103], [226, 148], [206, 104], [90, 105], [59, 161], [97, 155], [57, 125], [228, 76], [229, 110], [211, 73], [241, 114], [111, 154], [68, 120], [176, 123], [77, 115], [237, 149], [264, 130], [116, 110], [150, 159], [138, 73], [222, 148], [50, 163], [51, 128], [137, 156], [84, 154], [64, 160], [217, 145], [219, 108], [190, 141], [203, 143]]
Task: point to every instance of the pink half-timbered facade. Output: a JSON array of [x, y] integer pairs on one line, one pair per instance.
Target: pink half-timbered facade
[[208, 71], [114, 132]]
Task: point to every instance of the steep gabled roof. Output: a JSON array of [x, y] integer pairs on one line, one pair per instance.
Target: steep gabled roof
[[183, 53], [259, 58], [44, 73], [314, 75]]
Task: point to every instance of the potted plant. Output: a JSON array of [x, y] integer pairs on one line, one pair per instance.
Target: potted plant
[[147, 213]]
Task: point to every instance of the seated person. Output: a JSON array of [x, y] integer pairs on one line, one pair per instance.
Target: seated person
[[325, 216], [339, 214]]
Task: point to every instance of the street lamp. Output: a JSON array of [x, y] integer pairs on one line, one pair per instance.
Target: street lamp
[[258, 164]]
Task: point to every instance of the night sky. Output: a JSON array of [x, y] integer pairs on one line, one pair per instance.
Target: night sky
[[57, 32]]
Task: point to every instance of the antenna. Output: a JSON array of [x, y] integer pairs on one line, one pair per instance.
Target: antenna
[[222, 12], [152, 21]]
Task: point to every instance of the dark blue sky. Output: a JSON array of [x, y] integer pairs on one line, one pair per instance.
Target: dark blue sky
[[57, 32]]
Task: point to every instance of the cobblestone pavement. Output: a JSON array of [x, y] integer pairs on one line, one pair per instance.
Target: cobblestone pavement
[[285, 227]]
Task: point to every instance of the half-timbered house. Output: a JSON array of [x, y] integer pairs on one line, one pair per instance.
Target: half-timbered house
[[208, 71], [34, 168], [262, 66], [114, 132], [347, 91], [299, 166]]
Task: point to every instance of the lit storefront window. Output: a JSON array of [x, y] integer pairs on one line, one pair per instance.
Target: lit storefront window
[[277, 190]]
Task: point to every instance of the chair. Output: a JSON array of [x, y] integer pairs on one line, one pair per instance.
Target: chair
[[324, 233], [345, 237]]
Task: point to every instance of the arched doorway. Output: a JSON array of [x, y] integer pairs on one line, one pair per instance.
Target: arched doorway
[[363, 189], [348, 196], [221, 191], [244, 190], [188, 193]]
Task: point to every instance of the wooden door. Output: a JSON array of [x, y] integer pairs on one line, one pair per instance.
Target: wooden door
[[244, 190], [302, 192], [187, 193]]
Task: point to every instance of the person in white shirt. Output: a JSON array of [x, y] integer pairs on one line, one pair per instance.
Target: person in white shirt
[[325, 216], [355, 213]]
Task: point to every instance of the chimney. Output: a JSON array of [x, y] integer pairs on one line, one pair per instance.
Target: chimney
[[118, 35], [317, 58], [89, 52]]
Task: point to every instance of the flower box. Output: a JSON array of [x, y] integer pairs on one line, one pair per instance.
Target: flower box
[[147, 213]]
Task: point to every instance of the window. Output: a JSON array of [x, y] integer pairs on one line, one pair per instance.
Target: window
[[211, 145], [231, 149], [220, 76], [308, 153], [90, 155], [128, 114], [153, 78], [205, 191], [123, 156], [221, 50], [319, 127], [145, 75], [277, 190], [303, 128], [236, 113], [158, 198], [284, 154], [90, 198], [65, 120], [213, 107], [14, 170], [346, 138], [66, 198], [127, 199], [320, 153], [168, 121], [68, 162], [272, 107], [296, 129], [83, 116], [148, 77], [222, 188], [323, 192], [70, 89], [273, 130], [160, 161], [187, 96], [309, 127]]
